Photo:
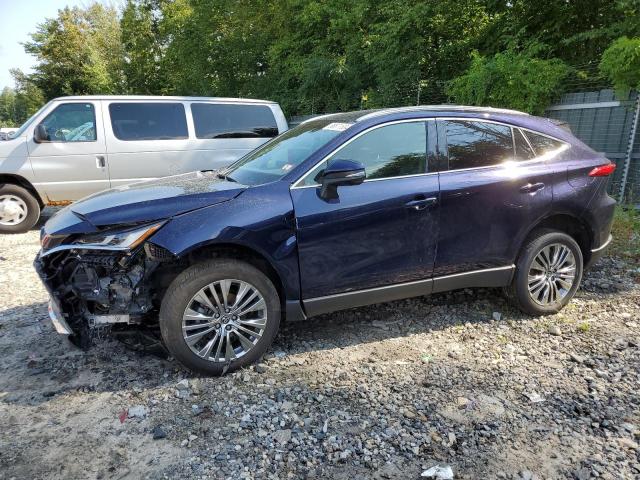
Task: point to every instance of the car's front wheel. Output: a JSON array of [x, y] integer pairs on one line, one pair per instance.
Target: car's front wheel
[[548, 273], [19, 210], [219, 315]]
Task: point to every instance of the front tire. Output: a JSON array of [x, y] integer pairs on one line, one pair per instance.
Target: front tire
[[548, 273], [219, 315], [19, 210]]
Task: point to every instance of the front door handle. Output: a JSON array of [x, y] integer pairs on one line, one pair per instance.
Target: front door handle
[[421, 203], [100, 162], [532, 187]]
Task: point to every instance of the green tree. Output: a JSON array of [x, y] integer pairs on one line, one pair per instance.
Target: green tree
[[8, 107], [78, 52], [509, 79], [142, 45], [621, 64], [29, 97]]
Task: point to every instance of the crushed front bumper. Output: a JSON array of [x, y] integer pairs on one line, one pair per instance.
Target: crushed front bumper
[[57, 318], [55, 312]]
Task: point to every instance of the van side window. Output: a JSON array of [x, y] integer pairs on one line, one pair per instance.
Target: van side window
[[233, 121], [477, 144], [71, 122], [543, 144], [523, 150], [148, 121]]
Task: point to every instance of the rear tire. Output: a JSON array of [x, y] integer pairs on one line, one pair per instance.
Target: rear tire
[[211, 332], [548, 273], [19, 209]]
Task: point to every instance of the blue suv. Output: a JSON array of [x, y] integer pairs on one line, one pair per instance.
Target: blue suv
[[344, 210]]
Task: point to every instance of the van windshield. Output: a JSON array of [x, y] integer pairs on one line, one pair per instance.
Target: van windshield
[[26, 124], [278, 157]]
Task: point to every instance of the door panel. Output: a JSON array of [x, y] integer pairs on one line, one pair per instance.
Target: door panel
[[485, 211], [371, 236], [73, 164]]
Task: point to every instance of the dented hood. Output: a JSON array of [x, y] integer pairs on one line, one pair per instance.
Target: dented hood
[[147, 201]]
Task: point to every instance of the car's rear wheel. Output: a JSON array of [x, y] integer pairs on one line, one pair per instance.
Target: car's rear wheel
[[548, 273], [19, 210], [219, 315]]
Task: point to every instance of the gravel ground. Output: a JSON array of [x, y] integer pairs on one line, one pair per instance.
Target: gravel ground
[[388, 391]]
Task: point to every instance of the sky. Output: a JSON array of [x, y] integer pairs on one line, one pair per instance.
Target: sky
[[18, 18]]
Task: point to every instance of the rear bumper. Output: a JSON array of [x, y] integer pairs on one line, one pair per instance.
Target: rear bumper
[[598, 253]]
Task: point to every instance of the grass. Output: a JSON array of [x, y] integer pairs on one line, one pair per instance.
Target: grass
[[626, 233]]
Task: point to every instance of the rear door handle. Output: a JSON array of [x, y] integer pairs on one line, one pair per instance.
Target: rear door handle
[[100, 162], [532, 187], [421, 203]]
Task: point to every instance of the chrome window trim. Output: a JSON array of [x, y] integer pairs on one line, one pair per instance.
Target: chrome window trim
[[505, 163], [296, 184]]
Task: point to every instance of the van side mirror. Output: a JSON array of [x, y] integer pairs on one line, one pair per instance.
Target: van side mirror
[[340, 173], [40, 134]]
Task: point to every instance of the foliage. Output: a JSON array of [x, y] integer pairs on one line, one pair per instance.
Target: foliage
[[331, 55], [78, 52], [16, 105], [626, 233], [510, 79], [621, 63]]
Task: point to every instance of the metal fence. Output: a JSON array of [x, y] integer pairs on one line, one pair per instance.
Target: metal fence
[[609, 125]]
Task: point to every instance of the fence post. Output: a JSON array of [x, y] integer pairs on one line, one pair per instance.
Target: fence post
[[632, 139]]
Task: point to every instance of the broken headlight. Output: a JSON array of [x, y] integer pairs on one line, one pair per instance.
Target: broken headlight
[[119, 239]]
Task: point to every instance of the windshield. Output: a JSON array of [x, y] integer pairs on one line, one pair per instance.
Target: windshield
[[26, 124], [278, 157]]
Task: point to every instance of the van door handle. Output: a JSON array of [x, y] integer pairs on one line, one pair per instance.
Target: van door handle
[[421, 203], [100, 162], [532, 187]]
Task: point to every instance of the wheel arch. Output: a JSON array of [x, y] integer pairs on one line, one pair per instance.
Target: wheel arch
[[571, 225], [9, 178], [233, 251]]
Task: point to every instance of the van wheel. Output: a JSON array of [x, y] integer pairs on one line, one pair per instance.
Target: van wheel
[[548, 273], [219, 315], [19, 210]]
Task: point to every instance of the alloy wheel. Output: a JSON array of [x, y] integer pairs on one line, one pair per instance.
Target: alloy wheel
[[13, 210], [552, 274], [224, 320]]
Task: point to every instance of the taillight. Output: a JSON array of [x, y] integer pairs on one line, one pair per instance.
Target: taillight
[[603, 170]]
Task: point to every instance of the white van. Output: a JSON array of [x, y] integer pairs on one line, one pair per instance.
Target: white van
[[75, 146]]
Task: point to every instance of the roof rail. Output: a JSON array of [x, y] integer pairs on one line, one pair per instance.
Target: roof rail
[[432, 108]]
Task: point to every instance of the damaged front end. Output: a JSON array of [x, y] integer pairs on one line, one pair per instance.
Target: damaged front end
[[103, 282]]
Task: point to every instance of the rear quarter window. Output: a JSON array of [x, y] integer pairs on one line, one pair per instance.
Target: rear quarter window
[[543, 144], [148, 121], [233, 121]]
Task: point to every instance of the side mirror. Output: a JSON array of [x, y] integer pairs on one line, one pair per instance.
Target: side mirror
[[339, 173], [40, 134]]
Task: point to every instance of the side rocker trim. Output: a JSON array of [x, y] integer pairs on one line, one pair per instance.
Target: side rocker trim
[[489, 277]]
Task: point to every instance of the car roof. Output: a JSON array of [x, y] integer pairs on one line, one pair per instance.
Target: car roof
[[166, 98], [362, 115]]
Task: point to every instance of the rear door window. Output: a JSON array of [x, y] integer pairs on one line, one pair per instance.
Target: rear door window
[[233, 121], [473, 144], [148, 121]]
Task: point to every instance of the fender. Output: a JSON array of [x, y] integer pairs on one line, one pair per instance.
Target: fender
[[242, 221]]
